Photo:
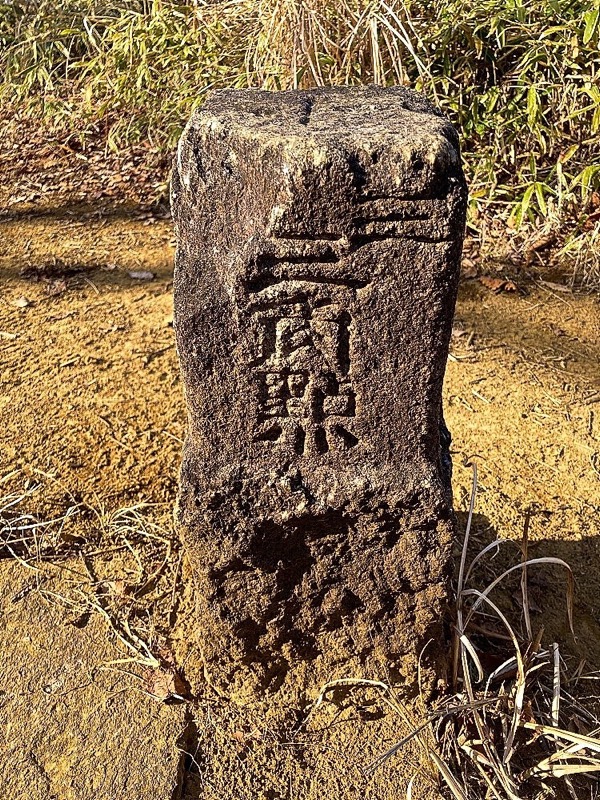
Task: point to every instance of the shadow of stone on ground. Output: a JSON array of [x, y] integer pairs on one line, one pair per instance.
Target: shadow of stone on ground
[[547, 586], [82, 211]]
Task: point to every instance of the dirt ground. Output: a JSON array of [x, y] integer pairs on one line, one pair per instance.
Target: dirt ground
[[91, 423]]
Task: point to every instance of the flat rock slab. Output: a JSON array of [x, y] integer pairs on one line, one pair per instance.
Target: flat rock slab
[[319, 239], [71, 731]]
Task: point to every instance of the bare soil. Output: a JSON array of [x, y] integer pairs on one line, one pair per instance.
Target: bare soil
[[92, 413]]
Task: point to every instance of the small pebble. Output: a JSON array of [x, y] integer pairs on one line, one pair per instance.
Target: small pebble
[[141, 275]]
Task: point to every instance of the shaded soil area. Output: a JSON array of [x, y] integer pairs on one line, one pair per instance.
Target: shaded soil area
[[49, 171], [92, 414]]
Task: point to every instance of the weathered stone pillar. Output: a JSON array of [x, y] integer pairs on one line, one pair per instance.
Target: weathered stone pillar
[[319, 238]]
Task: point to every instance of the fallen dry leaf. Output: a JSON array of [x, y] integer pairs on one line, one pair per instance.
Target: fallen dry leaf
[[119, 587], [166, 656], [541, 242], [56, 287], [242, 739], [497, 285], [468, 268], [591, 221], [164, 684]]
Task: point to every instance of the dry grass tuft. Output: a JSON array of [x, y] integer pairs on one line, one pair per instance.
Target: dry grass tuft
[[22, 534], [581, 252], [514, 729], [122, 564]]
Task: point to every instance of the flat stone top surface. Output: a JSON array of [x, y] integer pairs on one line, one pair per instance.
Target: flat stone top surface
[[337, 113]]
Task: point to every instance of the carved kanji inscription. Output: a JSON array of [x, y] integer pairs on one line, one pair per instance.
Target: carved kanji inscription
[[305, 397]]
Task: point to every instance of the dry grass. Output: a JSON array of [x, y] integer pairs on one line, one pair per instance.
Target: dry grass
[[22, 534], [581, 251], [121, 564], [514, 728]]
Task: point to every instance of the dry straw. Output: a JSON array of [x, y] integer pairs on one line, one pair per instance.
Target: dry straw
[[512, 732]]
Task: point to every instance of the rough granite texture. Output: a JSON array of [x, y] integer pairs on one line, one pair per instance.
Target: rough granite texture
[[319, 236]]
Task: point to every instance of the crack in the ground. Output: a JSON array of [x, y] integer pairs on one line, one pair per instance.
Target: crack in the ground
[[187, 744]]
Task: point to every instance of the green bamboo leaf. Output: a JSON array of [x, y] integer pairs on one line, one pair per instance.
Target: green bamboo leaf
[[591, 23], [523, 207], [568, 154], [533, 106], [539, 193]]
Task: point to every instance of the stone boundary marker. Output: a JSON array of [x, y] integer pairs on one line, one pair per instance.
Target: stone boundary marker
[[319, 240]]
